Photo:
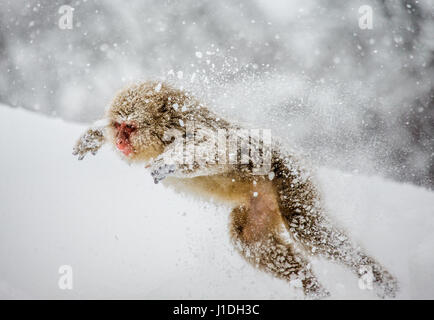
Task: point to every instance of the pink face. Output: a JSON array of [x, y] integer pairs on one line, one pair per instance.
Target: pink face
[[123, 133]]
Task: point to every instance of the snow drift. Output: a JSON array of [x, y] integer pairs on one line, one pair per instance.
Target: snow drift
[[125, 237]]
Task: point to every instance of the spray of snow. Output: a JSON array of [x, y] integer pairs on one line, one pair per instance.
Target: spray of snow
[[125, 237]]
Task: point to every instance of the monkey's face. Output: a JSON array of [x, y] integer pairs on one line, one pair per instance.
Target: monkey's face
[[134, 123], [123, 136], [135, 139]]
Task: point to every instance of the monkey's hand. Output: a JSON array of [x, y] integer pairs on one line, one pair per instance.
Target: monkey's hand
[[91, 142]]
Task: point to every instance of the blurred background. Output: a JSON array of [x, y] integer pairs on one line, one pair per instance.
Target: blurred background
[[360, 100]]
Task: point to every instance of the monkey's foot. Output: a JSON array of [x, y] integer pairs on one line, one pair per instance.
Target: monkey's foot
[[91, 142], [313, 289], [377, 278], [386, 286], [162, 172]]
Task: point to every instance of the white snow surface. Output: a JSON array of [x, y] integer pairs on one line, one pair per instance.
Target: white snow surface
[[125, 237]]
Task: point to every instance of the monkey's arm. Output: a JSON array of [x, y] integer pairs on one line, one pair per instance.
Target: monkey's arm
[[172, 163], [91, 141]]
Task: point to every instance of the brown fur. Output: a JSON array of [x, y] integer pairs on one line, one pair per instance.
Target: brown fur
[[150, 106], [289, 202]]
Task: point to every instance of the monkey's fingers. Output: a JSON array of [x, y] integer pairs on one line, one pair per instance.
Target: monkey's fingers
[[162, 172]]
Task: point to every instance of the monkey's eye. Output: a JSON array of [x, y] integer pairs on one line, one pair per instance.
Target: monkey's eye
[[116, 124]]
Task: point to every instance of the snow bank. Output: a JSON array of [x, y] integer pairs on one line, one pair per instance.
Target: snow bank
[[125, 237]]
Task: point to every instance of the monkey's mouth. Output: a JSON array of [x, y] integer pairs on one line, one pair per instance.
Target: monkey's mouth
[[123, 134], [124, 146]]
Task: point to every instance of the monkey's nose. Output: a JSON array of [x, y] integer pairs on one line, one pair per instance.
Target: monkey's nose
[[126, 128]]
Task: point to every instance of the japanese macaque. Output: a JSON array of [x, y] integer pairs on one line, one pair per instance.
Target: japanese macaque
[[277, 221]]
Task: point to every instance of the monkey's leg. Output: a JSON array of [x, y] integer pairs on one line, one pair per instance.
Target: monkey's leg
[[317, 234], [255, 231], [300, 205]]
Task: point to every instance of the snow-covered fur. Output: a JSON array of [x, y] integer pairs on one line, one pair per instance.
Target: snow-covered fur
[[265, 206]]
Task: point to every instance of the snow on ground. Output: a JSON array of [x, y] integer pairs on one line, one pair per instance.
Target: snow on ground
[[125, 237]]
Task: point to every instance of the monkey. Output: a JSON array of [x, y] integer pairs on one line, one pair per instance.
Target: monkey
[[277, 220]]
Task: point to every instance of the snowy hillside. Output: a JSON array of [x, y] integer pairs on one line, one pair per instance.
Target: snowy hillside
[[125, 237]]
